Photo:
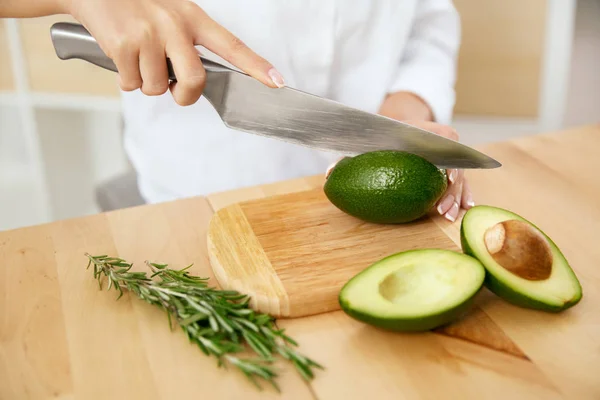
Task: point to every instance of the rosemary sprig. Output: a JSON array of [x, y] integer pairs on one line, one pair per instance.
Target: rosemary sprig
[[220, 322]]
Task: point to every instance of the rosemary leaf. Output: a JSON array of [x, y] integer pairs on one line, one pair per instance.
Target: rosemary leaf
[[192, 319], [256, 345], [248, 324], [215, 320], [213, 323]]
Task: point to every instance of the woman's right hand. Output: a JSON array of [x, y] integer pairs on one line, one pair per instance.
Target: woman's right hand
[[138, 35]]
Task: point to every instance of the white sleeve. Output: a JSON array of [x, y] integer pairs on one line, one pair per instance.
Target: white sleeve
[[428, 66]]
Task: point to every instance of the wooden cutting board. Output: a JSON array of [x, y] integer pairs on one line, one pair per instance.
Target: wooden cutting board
[[292, 253]]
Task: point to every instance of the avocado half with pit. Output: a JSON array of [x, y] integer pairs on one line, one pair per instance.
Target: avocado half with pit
[[523, 265], [388, 187], [414, 290]]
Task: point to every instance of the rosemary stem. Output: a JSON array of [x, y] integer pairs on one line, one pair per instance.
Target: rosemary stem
[[220, 322]]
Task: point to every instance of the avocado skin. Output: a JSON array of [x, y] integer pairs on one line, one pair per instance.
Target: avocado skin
[[412, 325], [389, 187], [504, 291]]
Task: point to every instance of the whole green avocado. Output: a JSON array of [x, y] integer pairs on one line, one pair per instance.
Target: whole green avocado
[[389, 187]]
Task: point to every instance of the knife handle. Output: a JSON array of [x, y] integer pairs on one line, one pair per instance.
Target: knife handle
[[74, 41]]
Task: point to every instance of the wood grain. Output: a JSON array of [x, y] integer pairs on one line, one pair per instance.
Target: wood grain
[[295, 251], [34, 353], [240, 263], [312, 259], [364, 362], [561, 195], [477, 327], [100, 331], [60, 337], [175, 233]]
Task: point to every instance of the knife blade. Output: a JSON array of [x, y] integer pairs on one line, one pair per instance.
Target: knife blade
[[292, 115]]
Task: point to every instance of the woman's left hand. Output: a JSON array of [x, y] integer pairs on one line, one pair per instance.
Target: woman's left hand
[[458, 194]]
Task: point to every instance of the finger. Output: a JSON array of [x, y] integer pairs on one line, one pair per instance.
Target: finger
[[128, 64], [445, 203], [467, 196], [449, 204], [452, 175], [452, 213], [219, 40], [190, 73], [153, 69]]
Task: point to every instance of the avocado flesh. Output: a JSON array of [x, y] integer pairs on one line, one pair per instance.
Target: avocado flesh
[[415, 290], [385, 186], [559, 291]]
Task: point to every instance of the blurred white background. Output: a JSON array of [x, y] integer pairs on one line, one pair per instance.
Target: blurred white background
[[525, 68]]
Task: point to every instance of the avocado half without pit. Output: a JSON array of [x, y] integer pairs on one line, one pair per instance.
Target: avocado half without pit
[[414, 290], [523, 265]]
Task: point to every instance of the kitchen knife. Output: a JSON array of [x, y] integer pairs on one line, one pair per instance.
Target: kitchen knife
[[288, 114]]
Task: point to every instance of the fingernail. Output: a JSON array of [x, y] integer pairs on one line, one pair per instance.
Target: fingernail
[[276, 77], [453, 213], [468, 200], [452, 176], [445, 204]]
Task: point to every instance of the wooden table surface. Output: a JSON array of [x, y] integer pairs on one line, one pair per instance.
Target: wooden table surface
[[60, 337]]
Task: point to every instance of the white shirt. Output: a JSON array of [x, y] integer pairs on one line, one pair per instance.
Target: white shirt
[[354, 52]]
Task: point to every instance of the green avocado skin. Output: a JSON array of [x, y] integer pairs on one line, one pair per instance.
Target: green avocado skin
[[388, 187], [413, 325], [506, 292]]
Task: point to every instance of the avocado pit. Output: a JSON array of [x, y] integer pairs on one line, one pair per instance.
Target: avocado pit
[[520, 248]]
